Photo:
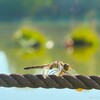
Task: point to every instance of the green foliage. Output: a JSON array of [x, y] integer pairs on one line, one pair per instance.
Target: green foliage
[[51, 9]]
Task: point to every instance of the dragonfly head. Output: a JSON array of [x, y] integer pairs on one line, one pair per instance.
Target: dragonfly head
[[66, 67]]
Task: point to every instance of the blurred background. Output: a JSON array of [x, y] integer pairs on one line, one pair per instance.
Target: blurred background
[[37, 32]]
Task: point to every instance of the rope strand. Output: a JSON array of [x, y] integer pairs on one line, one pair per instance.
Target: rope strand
[[52, 81]]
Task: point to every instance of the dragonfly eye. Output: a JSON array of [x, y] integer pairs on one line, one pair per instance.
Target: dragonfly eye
[[66, 67]]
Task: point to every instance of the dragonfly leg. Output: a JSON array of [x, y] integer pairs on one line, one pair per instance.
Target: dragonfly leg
[[60, 73]]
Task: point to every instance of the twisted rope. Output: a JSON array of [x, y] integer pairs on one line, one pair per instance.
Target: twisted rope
[[52, 81]]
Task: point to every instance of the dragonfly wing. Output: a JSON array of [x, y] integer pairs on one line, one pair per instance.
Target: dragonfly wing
[[46, 71], [72, 72]]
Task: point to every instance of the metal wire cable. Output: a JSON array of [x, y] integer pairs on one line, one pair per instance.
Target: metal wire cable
[[52, 81]]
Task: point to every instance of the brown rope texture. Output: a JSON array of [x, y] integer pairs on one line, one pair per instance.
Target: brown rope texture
[[52, 81]]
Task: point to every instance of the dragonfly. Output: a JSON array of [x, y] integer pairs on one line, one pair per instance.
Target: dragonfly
[[61, 69], [57, 68]]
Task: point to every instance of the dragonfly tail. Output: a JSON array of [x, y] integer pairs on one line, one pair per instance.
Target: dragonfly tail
[[32, 67]]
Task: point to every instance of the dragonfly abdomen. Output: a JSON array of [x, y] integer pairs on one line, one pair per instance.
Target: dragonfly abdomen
[[32, 67]]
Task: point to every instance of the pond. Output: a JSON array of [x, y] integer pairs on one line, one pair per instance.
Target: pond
[[14, 58]]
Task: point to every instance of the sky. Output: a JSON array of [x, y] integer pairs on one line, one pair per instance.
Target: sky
[[14, 93]]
